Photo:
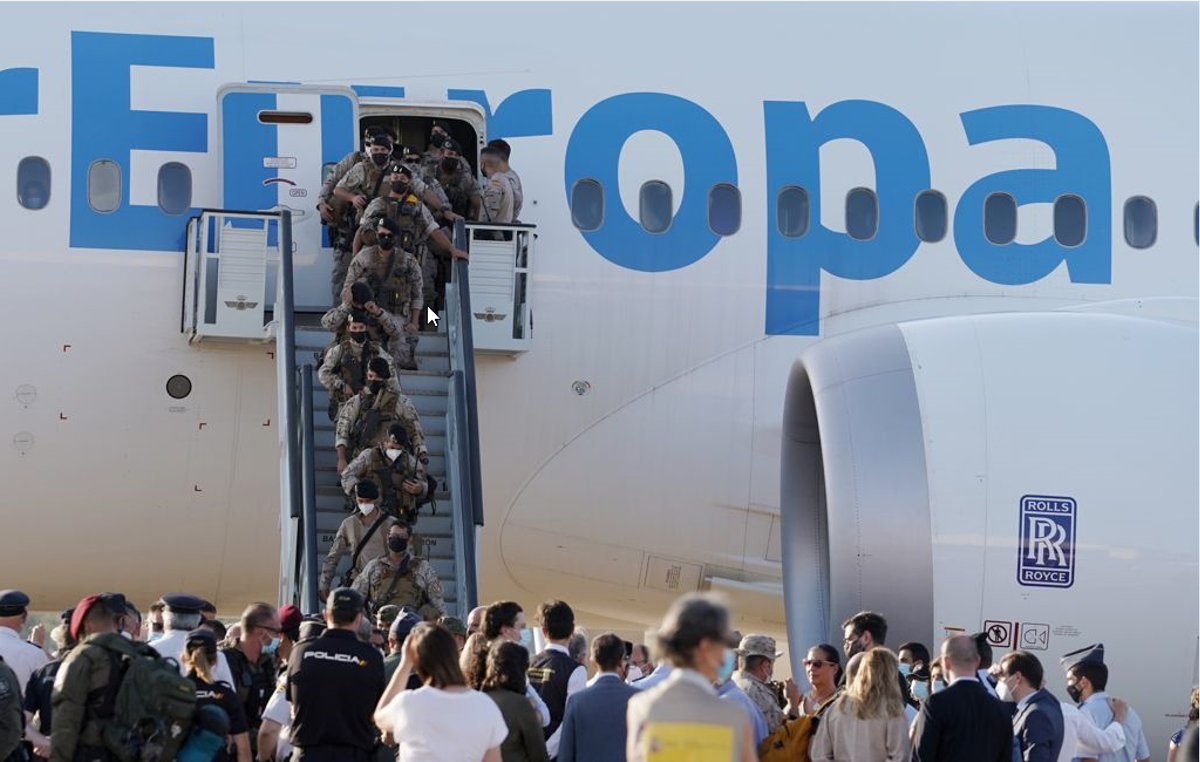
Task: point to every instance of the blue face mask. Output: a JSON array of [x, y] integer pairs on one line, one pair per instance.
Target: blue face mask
[[271, 647], [905, 669], [725, 671], [527, 639], [920, 689]]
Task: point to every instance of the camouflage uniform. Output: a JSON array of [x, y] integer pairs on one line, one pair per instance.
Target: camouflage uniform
[[389, 476], [346, 363], [349, 534], [339, 232], [759, 692], [382, 328], [12, 717], [418, 587], [79, 687], [389, 407], [498, 201], [396, 283], [460, 185]]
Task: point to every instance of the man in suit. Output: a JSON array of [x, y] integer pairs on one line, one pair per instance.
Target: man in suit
[[1038, 721], [593, 728], [963, 723]]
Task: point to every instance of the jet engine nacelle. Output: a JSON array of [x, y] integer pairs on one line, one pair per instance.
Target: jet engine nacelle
[[1032, 475]]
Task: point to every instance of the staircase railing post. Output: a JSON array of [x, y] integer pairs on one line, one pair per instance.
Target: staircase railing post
[[309, 522]]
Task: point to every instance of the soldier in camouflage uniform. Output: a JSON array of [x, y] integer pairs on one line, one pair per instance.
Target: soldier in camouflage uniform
[[395, 278], [398, 578], [395, 470], [344, 368], [337, 212], [446, 163], [358, 302], [83, 682], [364, 419], [419, 233], [756, 657]]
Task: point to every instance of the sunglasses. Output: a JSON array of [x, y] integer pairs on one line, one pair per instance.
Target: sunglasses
[[814, 663]]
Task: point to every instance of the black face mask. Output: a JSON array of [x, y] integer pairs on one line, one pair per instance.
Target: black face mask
[[397, 544], [358, 337], [379, 158], [449, 164], [375, 386], [386, 242], [400, 188], [1074, 692]]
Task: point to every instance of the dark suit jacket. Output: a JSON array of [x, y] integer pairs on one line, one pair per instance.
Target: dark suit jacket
[[964, 723], [1039, 728], [593, 728]]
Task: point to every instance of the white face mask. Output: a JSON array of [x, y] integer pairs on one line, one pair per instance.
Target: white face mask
[[393, 454], [366, 508], [634, 673], [1003, 691]]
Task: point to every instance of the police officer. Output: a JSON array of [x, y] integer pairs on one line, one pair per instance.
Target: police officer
[[39, 691], [84, 679], [365, 418], [395, 470], [398, 578], [333, 683], [363, 536], [447, 165], [395, 278], [181, 615], [344, 368], [21, 656]]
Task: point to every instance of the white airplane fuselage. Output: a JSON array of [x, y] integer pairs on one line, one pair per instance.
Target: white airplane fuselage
[[634, 452]]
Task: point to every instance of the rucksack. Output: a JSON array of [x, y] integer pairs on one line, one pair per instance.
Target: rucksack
[[790, 741], [153, 706]]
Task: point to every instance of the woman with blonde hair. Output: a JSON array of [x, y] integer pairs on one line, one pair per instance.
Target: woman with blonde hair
[[199, 657], [867, 723]]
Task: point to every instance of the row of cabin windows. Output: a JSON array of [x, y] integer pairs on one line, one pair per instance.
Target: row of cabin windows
[[930, 214], [104, 185]]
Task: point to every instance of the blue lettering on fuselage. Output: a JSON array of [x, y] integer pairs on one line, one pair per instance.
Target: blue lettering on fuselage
[[105, 127]]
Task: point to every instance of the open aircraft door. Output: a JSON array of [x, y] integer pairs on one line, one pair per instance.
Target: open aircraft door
[[276, 144]]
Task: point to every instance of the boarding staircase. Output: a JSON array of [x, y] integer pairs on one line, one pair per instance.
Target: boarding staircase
[[238, 288]]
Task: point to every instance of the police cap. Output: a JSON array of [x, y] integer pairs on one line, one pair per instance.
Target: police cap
[[367, 488], [1094, 653], [345, 601], [388, 224], [204, 636], [13, 602], [403, 625], [182, 603]]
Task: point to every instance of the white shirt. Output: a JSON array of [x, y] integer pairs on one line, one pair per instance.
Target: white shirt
[[1081, 735], [433, 725], [171, 645], [575, 683], [24, 657], [279, 709]]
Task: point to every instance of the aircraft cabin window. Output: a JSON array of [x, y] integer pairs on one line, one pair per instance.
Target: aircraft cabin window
[[1141, 222], [104, 185], [174, 188], [1000, 218], [929, 216], [862, 214], [33, 182], [587, 205], [791, 212], [1070, 220], [655, 207], [724, 209]]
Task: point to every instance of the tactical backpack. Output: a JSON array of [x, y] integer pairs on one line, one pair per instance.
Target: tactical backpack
[[790, 741], [153, 704]]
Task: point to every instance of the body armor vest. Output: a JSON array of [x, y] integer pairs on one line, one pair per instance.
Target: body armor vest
[[371, 427], [390, 476]]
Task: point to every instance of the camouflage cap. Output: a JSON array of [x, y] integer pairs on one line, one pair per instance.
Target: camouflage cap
[[759, 645], [386, 615], [454, 625]]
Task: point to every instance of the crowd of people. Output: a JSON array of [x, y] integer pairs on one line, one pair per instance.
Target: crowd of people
[[351, 686], [389, 210]]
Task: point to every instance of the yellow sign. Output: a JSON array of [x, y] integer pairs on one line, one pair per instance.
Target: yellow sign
[[686, 742]]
